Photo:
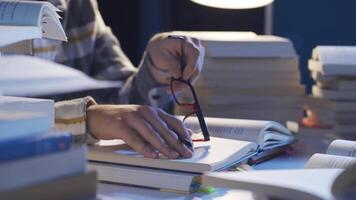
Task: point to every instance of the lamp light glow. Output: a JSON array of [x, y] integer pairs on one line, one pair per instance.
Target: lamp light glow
[[233, 4]]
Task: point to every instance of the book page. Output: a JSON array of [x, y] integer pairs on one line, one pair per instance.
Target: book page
[[19, 13], [329, 161], [342, 148], [344, 185], [280, 184], [266, 134], [207, 156], [53, 30], [30, 76], [335, 55], [248, 130]]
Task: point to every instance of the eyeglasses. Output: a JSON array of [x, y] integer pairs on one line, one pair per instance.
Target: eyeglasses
[[189, 100]]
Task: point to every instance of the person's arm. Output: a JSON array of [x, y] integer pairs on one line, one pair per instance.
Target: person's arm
[[110, 63], [145, 129], [145, 85]]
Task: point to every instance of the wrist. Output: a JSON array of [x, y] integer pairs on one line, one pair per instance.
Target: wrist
[[90, 136]]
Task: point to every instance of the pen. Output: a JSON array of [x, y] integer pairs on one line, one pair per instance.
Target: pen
[[185, 141]]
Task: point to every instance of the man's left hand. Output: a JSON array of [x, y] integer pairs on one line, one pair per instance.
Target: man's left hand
[[166, 52]]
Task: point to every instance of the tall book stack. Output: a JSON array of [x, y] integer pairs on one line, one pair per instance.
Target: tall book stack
[[249, 76], [36, 163], [332, 104]]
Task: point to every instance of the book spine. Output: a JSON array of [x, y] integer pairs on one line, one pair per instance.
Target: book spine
[[41, 169], [31, 148], [82, 186]]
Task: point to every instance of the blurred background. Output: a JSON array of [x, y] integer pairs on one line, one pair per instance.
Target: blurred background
[[307, 23]]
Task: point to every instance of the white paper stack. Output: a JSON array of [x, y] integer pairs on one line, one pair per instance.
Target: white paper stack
[[333, 100], [249, 76], [30, 76], [26, 20]]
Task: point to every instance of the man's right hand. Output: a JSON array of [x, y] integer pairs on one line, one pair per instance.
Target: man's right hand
[[143, 128]]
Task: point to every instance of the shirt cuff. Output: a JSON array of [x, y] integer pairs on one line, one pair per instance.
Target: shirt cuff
[[71, 116]]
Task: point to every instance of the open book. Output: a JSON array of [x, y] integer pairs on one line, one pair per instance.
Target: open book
[[340, 154], [296, 184], [322, 178], [238, 141], [24, 20], [266, 134], [30, 76]]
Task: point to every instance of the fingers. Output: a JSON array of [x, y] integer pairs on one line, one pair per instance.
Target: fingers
[[166, 52], [194, 55], [148, 133], [175, 124], [136, 142], [166, 133], [165, 64]]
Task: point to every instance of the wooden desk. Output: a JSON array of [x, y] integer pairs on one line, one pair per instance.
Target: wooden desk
[[306, 146]]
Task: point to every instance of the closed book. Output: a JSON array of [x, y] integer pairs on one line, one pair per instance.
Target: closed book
[[78, 187], [207, 156], [243, 44], [146, 177], [333, 94], [24, 104], [245, 65], [43, 144], [328, 105], [40, 169], [334, 60], [14, 125]]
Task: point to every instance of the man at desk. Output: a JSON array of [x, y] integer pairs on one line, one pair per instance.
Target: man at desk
[[93, 49]]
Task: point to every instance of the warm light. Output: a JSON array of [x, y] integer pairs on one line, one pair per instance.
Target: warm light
[[234, 4]]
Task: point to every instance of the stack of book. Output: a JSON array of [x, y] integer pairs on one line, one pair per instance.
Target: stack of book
[[36, 163], [332, 104], [233, 142], [249, 76]]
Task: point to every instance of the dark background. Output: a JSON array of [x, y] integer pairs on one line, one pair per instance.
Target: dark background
[[307, 23]]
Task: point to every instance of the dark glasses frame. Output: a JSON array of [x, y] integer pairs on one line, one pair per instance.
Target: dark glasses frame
[[195, 106]]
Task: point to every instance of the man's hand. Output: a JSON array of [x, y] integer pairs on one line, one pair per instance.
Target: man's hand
[[143, 128], [166, 52]]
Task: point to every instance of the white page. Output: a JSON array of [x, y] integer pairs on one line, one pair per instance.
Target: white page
[[335, 55], [52, 30], [329, 161], [249, 130], [13, 34], [342, 148], [30, 76], [207, 156], [284, 184], [264, 133], [23, 20], [19, 13]]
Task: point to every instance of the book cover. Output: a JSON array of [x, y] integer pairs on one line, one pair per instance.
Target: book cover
[[42, 169], [28, 147]]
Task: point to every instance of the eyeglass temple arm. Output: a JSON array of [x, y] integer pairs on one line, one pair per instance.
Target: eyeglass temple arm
[[201, 120], [200, 115]]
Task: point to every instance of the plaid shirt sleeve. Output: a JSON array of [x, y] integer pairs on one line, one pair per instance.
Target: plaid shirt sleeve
[[93, 49]]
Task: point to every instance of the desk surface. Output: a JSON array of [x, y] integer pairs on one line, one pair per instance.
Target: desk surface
[[306, 146]]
